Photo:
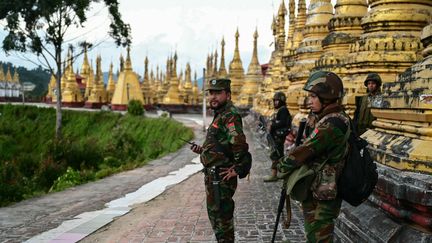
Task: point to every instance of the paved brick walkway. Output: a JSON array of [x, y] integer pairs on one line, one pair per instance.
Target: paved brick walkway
[[179, 215]]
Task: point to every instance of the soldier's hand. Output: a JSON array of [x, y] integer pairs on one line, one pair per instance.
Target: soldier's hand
[[285, 168], [196, 148], [290, 138], [228, 173]]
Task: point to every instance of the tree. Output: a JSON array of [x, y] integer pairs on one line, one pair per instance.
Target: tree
[[40, 27]]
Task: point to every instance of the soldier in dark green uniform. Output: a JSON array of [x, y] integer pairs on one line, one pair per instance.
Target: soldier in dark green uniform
[[324, 150], [279, 128], [225, 157], [363, 117]]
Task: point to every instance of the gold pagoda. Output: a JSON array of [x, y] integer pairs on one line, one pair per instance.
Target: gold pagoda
[[253, 79], [98, 95], [145, 85], [236, 71], [111, 84], [71, 93], [172, 96], [127, 88]]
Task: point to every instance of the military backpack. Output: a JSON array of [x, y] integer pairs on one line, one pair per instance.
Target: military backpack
[[359, 176]]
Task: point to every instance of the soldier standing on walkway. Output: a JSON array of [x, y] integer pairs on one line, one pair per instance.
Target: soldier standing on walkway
[[279, 127], [225, 156], [323, 150], [363, 117]]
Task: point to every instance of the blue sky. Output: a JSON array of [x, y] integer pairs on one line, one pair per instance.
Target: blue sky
[[192, 27]]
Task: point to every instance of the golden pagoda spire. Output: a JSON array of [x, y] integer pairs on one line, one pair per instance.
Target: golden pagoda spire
[[253, 78], [174, 65], [145, 85], [111, 83], [215, 69], [292, 18], [299, 24], [85, 67], [195, 91], [128, 64], [236, 71], [8, 75], [121, 63], [210, 68], [281, 26], [222, 70], [15, 77]]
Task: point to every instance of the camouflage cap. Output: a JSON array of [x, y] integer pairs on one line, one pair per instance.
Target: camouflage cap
[[219, 84], [373, 77]]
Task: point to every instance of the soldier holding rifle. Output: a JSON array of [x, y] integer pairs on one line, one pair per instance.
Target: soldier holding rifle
[[313, 168]]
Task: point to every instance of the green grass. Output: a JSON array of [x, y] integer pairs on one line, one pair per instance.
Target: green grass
[[94, 145]]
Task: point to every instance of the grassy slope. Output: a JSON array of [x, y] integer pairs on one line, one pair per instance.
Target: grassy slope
[[94, 145]]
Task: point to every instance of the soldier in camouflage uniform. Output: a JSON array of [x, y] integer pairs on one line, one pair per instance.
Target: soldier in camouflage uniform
[[363, 117], [225, 156], [279, 127], [324, 149]]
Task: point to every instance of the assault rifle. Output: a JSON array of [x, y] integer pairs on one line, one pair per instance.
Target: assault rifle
[[283, 198], [270, 141]]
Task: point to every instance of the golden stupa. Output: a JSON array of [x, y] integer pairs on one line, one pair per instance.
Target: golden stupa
[[127, 88], [145, 85], [111, 84], [85, 68], [172, 97], [52, 87], [253, 78], [236, 72], [71, 94], [188, 86], [98, 95], [196, 94]]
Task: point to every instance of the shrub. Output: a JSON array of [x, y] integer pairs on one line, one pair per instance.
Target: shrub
[[70, 178], [135, 108]]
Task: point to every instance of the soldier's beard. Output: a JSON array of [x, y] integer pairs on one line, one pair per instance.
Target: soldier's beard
[[214, 104]]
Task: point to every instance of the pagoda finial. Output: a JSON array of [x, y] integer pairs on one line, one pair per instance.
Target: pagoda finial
[[222, 70], [128, 60]]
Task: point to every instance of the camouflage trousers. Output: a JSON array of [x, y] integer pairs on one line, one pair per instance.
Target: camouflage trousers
[[222, 218], [319, 218], [276, 154]]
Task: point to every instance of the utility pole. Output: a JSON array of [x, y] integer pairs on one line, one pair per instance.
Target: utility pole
[[204, 101]]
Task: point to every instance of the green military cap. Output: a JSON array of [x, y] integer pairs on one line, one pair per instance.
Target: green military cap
[[219, 84]]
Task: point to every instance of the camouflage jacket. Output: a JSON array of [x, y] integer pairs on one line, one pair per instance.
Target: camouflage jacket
[[225, 144], [327, 143], [364, 117]]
